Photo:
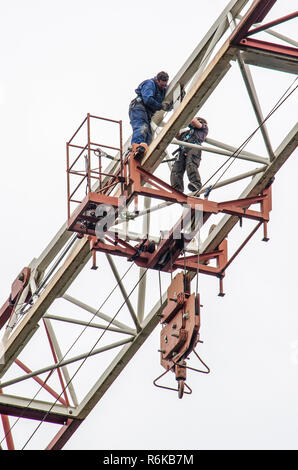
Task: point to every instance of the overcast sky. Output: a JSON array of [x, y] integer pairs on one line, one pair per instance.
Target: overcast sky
[[63, 59]]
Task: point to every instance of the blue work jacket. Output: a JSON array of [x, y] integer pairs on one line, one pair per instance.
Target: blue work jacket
[[152, 96]]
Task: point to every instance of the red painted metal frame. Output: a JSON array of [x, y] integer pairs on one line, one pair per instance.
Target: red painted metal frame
[[89, 175], [167, 255], [84, 220], [264, 46], [171, 245], [81, 214], [136, 176]]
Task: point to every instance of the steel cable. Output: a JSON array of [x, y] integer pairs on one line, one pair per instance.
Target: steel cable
[[241, 147]]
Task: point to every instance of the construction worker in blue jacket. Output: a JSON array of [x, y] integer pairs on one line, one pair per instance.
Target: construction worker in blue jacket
[[149, 99], [189, 158]]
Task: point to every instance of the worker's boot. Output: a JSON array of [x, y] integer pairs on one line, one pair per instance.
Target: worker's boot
[[139, 150], [194, 187]]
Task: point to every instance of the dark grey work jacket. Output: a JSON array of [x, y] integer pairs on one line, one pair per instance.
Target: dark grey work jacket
[[194, 135]]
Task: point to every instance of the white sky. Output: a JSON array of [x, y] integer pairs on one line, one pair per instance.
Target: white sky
[[63, 59]]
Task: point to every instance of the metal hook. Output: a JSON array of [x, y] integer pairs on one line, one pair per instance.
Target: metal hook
[[170, 388]]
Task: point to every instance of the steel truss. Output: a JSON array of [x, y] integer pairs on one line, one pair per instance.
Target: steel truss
[[48, 277]]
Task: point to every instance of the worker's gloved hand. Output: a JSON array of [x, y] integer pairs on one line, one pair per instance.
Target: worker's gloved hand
[[166, 106]]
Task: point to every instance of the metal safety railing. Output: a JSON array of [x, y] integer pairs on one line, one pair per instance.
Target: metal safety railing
[[93, 177]]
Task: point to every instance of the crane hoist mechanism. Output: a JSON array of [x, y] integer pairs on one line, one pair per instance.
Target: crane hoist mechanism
[[180, 332]]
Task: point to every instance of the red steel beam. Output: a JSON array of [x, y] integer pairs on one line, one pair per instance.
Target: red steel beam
[[64, 434], [265, 46], [220, 255], [255, 14], [7, 431], [272, 23], [42, 383]]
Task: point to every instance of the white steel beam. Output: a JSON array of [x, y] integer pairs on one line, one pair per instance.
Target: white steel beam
[[215, 38], [227, 153], [270, 60], [189, 68], [120, 361], [65, 362], [234, 179], [101, 315], [230, 148], [59, 354], [85, 323], [142, 271], [123, 291], [247, 77], [35, 409]]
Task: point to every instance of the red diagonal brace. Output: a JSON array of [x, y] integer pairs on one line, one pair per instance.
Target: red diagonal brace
[[272, 23], [191, 262], [64, 434], [255, 14]]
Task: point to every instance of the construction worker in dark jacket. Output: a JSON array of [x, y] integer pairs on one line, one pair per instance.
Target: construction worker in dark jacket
[[149, 99], [189, 158]]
